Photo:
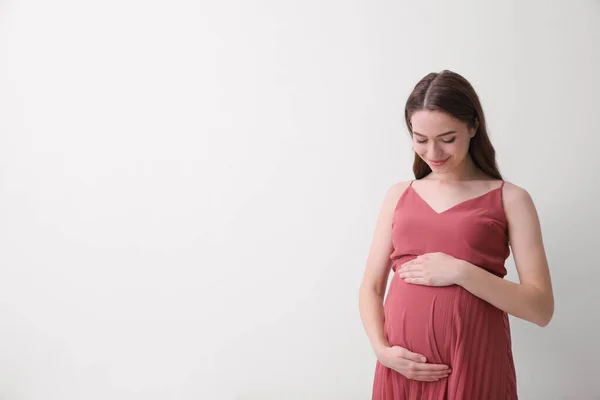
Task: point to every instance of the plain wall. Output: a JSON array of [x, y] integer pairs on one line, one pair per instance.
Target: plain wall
[[188, 190]]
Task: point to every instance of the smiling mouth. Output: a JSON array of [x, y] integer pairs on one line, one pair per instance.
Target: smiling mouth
[[438, 162]]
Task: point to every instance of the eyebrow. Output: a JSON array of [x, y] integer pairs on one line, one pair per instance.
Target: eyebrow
[[440, 135]]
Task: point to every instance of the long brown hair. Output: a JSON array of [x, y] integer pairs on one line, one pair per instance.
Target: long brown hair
[[449, 92]]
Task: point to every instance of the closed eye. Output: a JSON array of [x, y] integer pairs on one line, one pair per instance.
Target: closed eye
[[445, 141]]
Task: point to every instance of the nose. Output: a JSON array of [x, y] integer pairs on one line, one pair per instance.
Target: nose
[[434, 151]]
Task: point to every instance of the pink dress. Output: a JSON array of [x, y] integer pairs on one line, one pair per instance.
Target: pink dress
[[449, 325]]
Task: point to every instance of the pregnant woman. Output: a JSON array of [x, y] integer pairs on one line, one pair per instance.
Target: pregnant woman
[[443, 331]]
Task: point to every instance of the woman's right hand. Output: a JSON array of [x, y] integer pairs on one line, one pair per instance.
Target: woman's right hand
[[412, 365]]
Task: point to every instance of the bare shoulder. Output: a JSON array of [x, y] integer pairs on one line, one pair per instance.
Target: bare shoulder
[[518, 205], [515, 196], [395, 191]]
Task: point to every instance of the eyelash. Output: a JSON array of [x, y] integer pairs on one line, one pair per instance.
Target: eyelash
[[445, 141]]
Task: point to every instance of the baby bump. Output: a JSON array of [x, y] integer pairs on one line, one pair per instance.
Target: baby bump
[[438, 322]]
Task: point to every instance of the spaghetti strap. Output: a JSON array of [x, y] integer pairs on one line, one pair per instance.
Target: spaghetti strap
[[411, 182], [503, 182]]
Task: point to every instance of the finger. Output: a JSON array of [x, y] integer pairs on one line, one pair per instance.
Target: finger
[[416, 281], [426, 375], [409, 355], [411, 274], [432, 374], [405, 265], [425, 367], [417, 260], [415, 377], [430, 378], [414, 261], [412, 268]]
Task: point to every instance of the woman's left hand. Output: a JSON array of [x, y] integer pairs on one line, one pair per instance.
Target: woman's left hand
[[431, 269]]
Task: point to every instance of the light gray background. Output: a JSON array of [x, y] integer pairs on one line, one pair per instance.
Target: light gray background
[[188, 190]]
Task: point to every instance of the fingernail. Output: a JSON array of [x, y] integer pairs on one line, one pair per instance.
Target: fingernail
[[423, 359]]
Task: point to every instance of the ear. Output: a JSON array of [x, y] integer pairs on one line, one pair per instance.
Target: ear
[[474, 130]]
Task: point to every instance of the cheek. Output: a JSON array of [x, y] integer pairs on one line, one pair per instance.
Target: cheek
[[419, 148], [458, 148], [452, 149], [461, 148]]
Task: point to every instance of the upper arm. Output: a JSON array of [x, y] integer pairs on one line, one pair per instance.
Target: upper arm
[[526, 242], [378, 261]]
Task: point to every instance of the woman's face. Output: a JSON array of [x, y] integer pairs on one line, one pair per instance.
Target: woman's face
[[441, 140]]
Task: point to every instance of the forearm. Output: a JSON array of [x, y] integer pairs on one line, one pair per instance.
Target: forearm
[[372, 316], [522, 301]]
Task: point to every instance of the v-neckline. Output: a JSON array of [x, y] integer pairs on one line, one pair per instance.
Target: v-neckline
[[457, 204]]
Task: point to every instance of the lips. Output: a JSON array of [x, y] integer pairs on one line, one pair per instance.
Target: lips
[[438, 163]]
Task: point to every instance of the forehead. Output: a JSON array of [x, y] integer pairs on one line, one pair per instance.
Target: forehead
[[431, 123]]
